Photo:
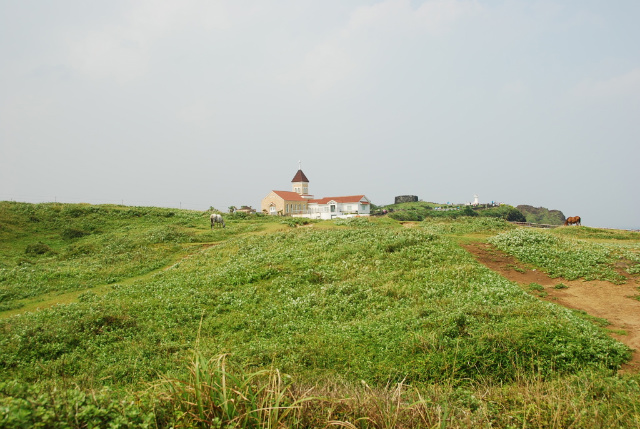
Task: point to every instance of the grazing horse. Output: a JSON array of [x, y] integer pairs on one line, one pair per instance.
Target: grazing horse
[[216, 218], [573, 220]]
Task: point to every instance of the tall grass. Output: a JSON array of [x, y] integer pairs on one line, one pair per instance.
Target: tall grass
[[235, 397], [220, 394]]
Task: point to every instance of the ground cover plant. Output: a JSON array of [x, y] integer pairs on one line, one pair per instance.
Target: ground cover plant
[[560, 255], [359, 320], [55, 248], [623, 246], [467, 225]]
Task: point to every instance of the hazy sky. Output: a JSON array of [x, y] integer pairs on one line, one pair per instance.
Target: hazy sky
[[213, 103]]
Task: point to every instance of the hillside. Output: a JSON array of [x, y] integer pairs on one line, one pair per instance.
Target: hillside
[[418, 211], [348, 308], [542, 215]]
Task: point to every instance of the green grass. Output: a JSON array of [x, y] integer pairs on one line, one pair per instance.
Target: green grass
[[56, 248], [536, 287], [402, 317], [560, 256]]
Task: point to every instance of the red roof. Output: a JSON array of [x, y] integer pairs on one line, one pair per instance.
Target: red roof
[[349, 199], [289, 196], [300, 177]]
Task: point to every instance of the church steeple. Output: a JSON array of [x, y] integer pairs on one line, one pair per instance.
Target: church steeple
[[300, 183]]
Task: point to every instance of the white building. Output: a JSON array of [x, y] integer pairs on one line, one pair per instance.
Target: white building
[[300, 203], [330, 207]]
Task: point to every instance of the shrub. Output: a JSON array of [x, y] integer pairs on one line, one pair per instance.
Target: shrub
[[536, 286], [295, 221], [354, 221], [406, 216], [71, 233], [514, 215], [239, 215], [10, 305], [38, 248], [505, 212], [468, 211]]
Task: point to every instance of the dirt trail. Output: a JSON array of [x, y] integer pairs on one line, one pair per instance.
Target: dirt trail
[[602, 299]]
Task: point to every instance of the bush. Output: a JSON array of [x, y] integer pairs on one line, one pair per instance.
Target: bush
[[71, 233], [505, 212], [296, 221], [38, 248], [410, 216], [354, 221], [468, 211], [536, 286], [10, 305], [514, 215]]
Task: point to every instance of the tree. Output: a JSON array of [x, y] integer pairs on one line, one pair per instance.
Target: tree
[[468, 211], [515, 215]]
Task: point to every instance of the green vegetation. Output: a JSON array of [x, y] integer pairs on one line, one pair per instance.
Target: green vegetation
[[166, 322], [54, 248], [466, 225], [297, 221], [409, 211], [585, 232], [541, 215], [558, 255], [421, 210], [536, 287]]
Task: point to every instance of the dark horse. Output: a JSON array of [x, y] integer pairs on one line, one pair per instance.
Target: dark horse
[[573, 220]]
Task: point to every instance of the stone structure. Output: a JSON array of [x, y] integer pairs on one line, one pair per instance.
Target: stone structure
[[406, 199]]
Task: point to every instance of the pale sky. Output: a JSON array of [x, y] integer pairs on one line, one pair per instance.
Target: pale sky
[[195, 104]]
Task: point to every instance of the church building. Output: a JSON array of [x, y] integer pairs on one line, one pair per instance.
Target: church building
[[299, 203]]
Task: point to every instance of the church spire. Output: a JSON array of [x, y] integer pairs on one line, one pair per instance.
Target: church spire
[[300, 183]]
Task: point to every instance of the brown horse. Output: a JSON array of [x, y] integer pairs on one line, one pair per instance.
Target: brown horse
[[573, 220]]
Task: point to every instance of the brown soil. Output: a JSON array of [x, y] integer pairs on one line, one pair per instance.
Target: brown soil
[[605, 300]]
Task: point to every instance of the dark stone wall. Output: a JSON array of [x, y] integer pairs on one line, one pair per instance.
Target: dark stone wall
[[406, 199]]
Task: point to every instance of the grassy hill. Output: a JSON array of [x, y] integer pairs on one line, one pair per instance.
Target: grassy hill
[[418, 211], [542, 215], [148, 317]]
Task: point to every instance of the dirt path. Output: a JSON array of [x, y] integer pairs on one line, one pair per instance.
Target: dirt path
[[602, 299]]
